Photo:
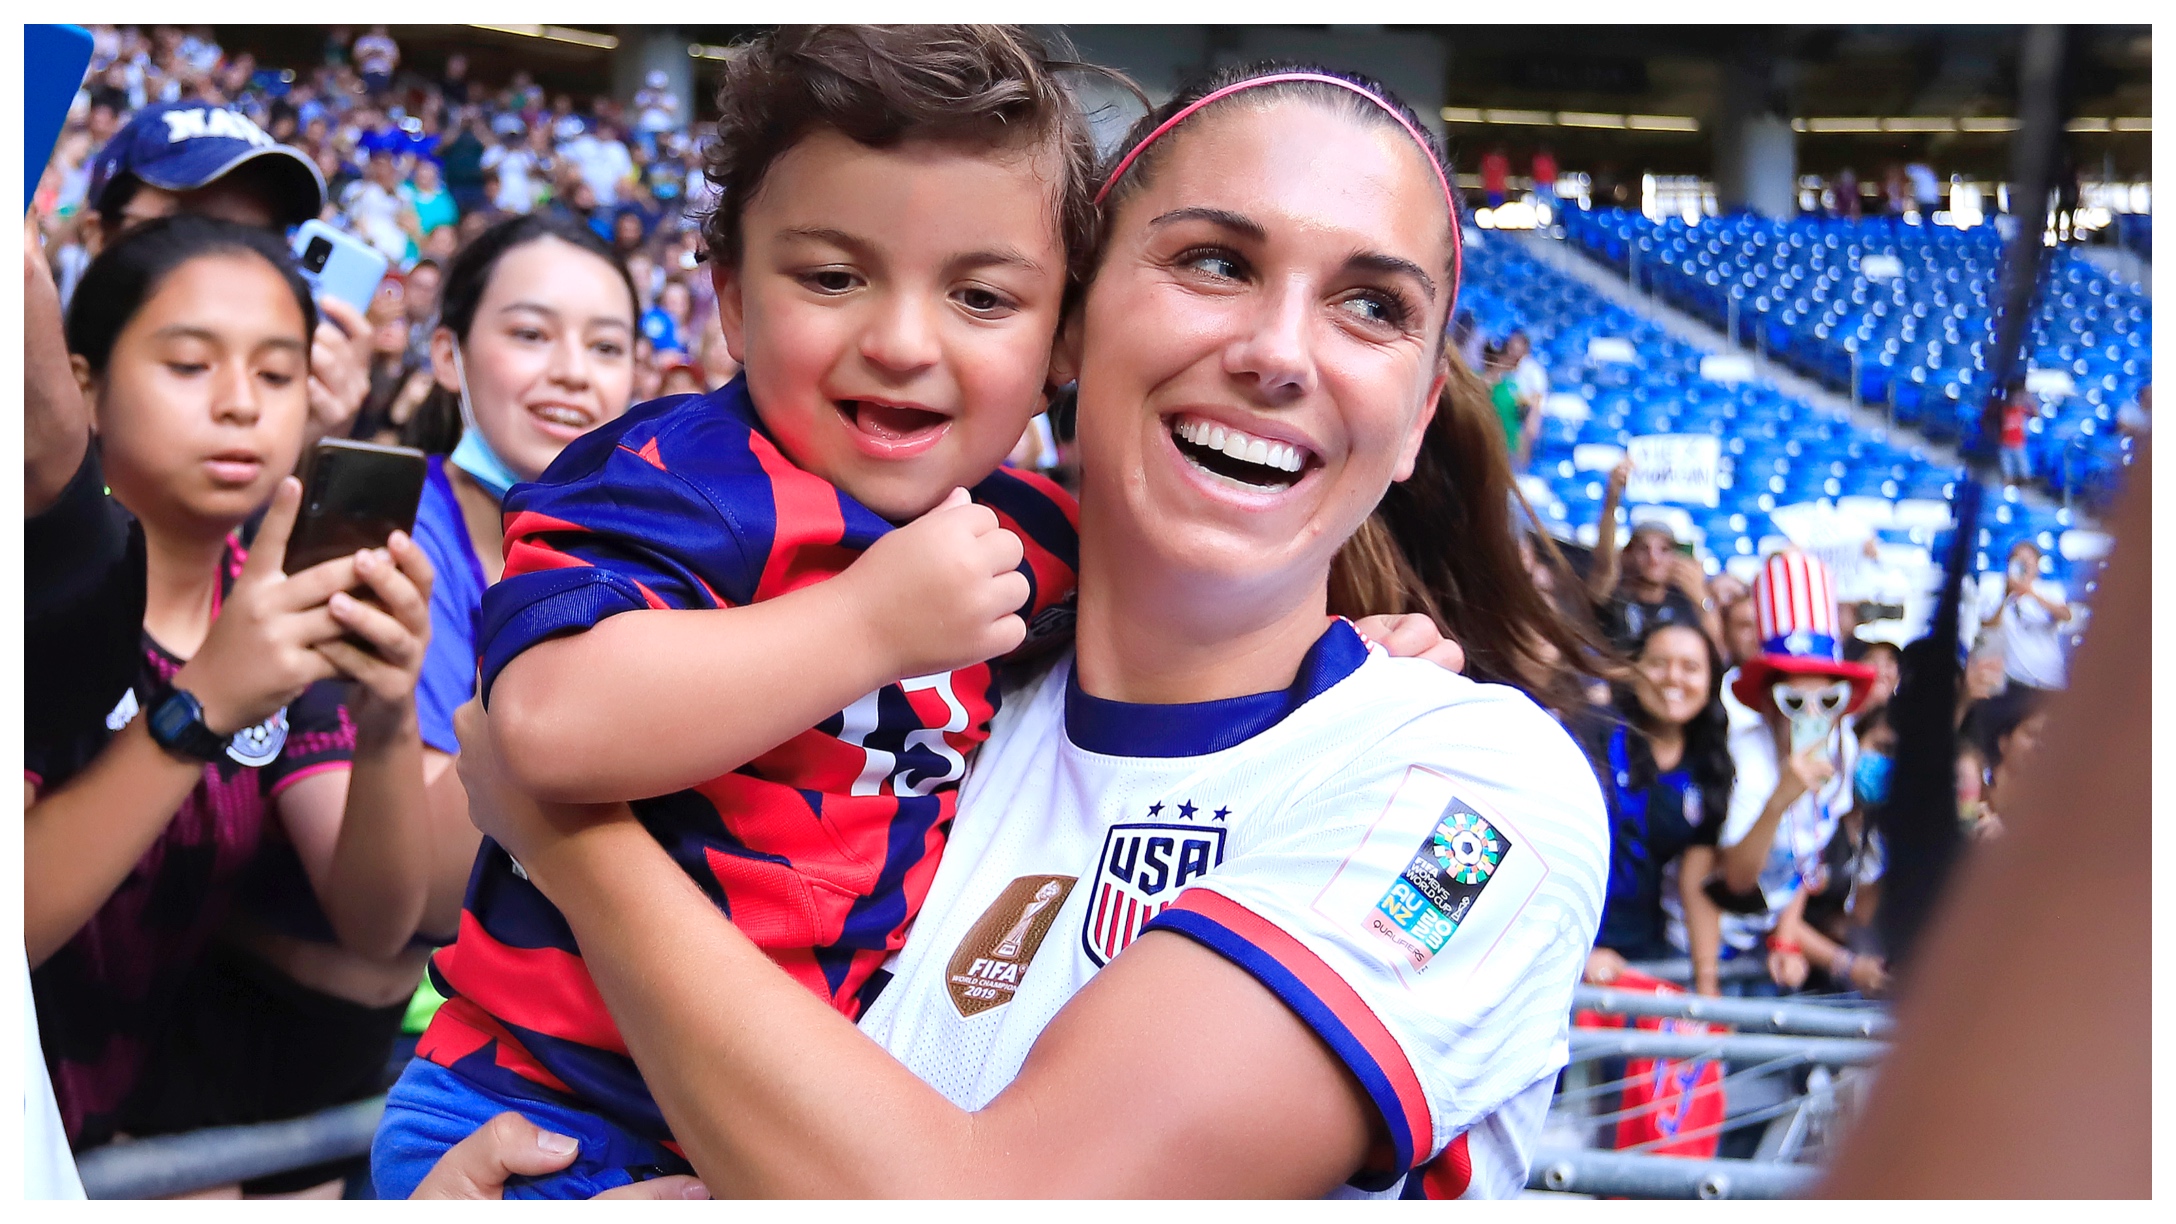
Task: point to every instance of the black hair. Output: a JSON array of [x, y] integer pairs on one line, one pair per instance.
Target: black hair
[[436, 423], [1707, 734], [1994, 719], [128, 272]]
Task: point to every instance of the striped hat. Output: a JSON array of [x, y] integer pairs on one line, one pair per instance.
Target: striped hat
[[1795, 606]]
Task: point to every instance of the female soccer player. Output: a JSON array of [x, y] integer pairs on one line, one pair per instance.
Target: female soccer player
[[1234, 904]]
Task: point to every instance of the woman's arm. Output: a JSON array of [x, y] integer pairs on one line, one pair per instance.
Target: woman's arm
[[1602, 571], [81, 838], [364, 835], [772, 1092], [1807, 771], [1703, 918], [453, 844]]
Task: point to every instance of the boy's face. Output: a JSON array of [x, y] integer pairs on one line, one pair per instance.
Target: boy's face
[[895, 310]]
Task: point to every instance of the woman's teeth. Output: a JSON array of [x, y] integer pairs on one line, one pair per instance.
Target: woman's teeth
[[1234, 444], [562, 416]]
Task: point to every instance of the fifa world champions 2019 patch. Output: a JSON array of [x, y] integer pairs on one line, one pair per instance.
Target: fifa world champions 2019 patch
[[988, 967], [1434, 894]]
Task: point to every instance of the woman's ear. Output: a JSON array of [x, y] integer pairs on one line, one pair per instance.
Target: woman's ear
[[1410, 452], [442, 369], [86, 385], [1065, 354], [732, 319]]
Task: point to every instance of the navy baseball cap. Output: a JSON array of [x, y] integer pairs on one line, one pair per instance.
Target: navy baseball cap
[[181, 146]]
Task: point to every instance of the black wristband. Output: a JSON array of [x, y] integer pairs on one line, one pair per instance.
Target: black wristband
[[176, 724]]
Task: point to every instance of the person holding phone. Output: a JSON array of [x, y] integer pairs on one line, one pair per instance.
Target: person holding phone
[[1794, 756], [2022, 623], [190, 340], [183, 157]]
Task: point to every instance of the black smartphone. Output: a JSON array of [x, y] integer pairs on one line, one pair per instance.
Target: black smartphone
[[355, 495]]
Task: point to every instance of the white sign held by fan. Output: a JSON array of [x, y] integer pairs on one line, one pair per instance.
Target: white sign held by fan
[[1679, 469]]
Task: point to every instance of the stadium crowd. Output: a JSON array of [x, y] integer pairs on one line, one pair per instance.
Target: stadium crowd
[[247, 939]]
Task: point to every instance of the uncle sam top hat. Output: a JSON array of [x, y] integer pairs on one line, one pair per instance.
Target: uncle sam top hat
[[181, 146], [1795, 606]]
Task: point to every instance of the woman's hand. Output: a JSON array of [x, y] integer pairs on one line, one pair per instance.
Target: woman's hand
[[398, 634], [1810, 770], [339, 368], [1870, 974], [1787, 967], [1603, 967], [513, 1146], [524, 827], [1412, 635], [263, 649]]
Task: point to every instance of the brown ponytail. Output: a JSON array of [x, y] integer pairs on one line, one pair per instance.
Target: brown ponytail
[[1442, 543]]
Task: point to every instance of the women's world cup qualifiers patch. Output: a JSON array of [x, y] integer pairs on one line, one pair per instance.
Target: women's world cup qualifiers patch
[[1468, 877], [1438, 887]]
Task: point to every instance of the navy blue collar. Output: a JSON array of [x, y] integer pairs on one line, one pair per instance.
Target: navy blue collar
[[1124, 728]]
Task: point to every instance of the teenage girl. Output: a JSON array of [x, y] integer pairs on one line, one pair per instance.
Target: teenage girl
[[189, 339]]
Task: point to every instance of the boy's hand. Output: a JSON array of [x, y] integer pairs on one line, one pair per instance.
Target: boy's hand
[[1412, 635], [942, 592]]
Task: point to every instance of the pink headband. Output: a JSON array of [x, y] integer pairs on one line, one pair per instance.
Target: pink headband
[[1450, 201]]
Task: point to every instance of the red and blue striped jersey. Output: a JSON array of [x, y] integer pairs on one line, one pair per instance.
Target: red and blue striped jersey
[[820, 850]]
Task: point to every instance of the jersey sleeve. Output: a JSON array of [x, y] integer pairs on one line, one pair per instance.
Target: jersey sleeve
[[319, 737], [622, 524], [1426, 912]]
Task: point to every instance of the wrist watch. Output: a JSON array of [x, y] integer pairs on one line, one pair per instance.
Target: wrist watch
[[177, 725]]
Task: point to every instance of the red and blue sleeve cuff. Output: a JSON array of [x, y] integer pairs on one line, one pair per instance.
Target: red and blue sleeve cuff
[[1328, 1004], [523, 610]]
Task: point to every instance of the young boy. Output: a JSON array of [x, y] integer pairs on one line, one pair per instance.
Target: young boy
[[765, 612]]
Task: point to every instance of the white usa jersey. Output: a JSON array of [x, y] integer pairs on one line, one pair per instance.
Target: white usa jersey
[[1411, 861]]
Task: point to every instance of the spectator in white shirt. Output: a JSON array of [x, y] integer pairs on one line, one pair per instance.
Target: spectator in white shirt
[[377, 212], [2023, 622], [1794, 758]]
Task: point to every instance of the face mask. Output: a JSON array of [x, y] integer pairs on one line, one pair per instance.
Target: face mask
[[1813, 715], [1870, 778], [474, 455]]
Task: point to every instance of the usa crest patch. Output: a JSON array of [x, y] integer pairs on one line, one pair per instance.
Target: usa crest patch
[[1141, 871], [1430, 898]]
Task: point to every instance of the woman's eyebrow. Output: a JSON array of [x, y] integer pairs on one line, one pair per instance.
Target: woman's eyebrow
[[187, 331], [1216, 216], [1376, 261]]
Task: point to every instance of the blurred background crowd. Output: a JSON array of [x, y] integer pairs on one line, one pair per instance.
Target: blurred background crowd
[[1832, 345]]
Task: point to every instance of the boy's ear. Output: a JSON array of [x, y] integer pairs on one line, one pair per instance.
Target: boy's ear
[[732, 319], [1065, 354]]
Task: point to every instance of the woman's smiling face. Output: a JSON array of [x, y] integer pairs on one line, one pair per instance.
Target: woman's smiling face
[[1259, 353]]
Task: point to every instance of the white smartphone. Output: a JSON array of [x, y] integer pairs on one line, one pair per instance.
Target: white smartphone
[[338, 265]]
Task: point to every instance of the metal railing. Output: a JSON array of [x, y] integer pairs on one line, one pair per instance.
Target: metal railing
[[1758, 1015], [1774, 1036], [167, 1165], [1630, 1175]]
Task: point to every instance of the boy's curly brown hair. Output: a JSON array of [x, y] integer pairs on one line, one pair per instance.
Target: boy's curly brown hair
[[995, 87]]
